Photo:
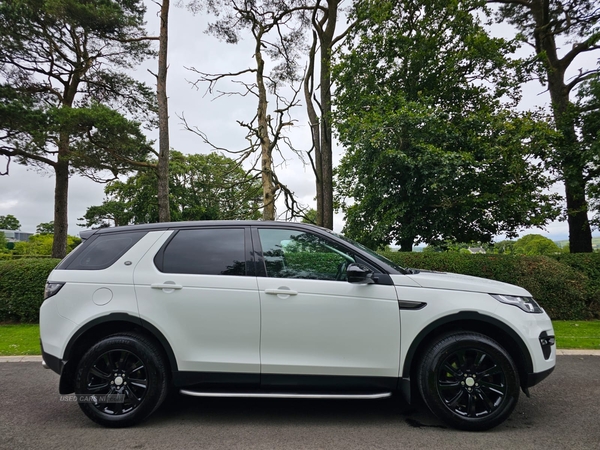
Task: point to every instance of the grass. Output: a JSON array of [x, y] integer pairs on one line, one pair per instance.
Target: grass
[[24, 339], [577, 334], [19, 339]]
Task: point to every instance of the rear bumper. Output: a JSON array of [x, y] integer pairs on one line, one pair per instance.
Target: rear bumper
[[52, 362], [57, 365]]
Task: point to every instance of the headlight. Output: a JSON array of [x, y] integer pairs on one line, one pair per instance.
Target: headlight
[[51, 289], [527, 304]]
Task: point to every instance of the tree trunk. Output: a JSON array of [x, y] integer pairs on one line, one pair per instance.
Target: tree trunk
[[326, 151], [61, 199], [164, 213], [321, 134], [580, 233], [315, 127], [61, 172], [406, 245], [326, 41], [266, 151]]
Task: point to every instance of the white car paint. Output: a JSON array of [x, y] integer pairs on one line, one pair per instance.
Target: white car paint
[[212, 323], [329, 328]]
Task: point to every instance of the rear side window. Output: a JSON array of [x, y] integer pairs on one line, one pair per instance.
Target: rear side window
[[102, 252], [204, 252]]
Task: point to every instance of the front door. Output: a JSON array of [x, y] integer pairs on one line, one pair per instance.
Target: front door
[[315, 323]]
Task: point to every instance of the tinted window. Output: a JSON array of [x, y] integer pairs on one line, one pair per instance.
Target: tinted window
[[103, 251], [70, 257], [375, 255], [297, 254], [205, 251]]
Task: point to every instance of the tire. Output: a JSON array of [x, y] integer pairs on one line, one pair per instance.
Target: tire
[[124, 364], [468, 381]]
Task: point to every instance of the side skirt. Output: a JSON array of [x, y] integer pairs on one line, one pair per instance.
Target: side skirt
[[256, 383], [286, 395]]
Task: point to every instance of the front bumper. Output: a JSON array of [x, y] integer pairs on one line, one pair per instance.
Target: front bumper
[[535, 378]]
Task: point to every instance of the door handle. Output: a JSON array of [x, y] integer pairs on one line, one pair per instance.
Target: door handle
[[280, 291], [167, 285]]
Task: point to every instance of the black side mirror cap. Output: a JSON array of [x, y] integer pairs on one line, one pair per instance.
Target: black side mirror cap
[[359, 274]]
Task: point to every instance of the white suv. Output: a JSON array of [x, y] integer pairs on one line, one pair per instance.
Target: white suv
[[270, 309]]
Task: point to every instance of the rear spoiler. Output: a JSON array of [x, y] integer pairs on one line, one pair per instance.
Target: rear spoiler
[[86, 234]]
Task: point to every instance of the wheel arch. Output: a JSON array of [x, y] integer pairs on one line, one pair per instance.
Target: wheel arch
[[96, 329], [466, 321]]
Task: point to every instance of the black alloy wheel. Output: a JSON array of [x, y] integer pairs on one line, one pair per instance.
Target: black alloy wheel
[[121, 380], [469, 381], [119, 374]]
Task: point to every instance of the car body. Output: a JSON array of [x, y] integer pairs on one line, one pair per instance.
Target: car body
[[248, 308]]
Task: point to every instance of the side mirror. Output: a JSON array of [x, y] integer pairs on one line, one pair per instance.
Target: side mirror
[[359, 274]]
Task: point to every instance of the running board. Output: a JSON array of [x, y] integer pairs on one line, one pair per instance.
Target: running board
[[285, 395]]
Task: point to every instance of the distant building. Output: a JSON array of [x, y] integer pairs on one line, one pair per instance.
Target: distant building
[[475, 250], [16, 235]]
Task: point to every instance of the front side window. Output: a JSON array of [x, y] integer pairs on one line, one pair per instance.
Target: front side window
[[298, 254], [204, 252], [375, 255]]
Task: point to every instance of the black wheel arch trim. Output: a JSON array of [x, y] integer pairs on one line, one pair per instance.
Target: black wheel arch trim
[[123, 317], [463, 316]]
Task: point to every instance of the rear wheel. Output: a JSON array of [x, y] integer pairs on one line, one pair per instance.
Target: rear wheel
[[121, 380], [469, 381]]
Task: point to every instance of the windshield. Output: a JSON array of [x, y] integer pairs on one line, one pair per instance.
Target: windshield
[[371, 252]]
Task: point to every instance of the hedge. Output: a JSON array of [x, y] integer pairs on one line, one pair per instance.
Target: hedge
[[588, 264], [22, 284], [567, 286], [320, 264]]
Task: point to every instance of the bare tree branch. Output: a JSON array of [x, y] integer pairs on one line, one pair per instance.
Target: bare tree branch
[[583, 76]]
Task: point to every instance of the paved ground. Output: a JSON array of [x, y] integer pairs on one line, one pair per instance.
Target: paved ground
[[563, 413]]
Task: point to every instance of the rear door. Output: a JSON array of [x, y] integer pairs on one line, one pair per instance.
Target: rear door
[[198, 288]]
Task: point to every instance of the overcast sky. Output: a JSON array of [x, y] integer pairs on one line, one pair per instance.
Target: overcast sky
[[28, 194]]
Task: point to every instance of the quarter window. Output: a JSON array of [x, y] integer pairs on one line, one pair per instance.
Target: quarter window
[[102, 252], [297, 254], [205, 252]]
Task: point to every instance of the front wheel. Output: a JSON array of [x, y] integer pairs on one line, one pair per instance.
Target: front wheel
[[469, 381], [121, 380]]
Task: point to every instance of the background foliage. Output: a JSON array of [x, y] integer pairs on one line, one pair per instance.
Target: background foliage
[[201, 187], [38, 245], [432, 151], [9, 222], [22, 288]]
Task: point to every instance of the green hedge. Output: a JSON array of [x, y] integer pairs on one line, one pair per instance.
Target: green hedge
[[588, 264], [561, 289], [567, 286], [22, 284], [321, 264]]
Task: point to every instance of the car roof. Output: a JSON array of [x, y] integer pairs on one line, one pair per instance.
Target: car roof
[[231, 223], [195, 224]]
